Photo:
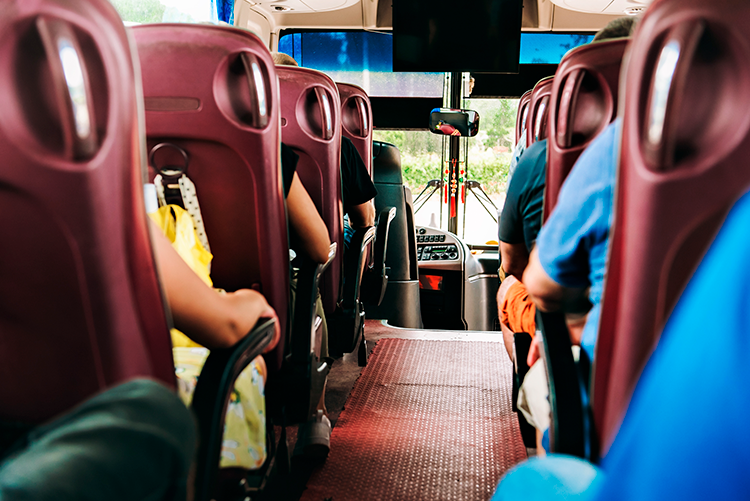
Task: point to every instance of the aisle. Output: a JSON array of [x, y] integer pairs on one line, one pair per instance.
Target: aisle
[[427, 419]]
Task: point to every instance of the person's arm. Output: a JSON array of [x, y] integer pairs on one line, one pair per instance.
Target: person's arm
[[549, 295], [208, 318], [306, 222], [514, 258], [362, 215]]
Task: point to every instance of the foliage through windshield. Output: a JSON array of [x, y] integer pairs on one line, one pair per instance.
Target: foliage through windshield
[[168, 11], [489, 154]]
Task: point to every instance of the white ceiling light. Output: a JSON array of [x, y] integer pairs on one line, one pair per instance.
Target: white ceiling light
[[634, 11]]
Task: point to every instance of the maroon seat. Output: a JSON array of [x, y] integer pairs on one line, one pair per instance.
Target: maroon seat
[[536, 130], [582, 103], [311, 126], [211, 91], [522, 114], [81, 304], [356, 120], [683, 164]]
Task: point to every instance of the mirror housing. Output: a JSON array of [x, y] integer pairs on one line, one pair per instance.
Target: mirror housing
[[451, 122]]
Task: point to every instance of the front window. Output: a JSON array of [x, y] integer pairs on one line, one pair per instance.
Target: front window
[[175, 11], [365, 59], [485, 166]]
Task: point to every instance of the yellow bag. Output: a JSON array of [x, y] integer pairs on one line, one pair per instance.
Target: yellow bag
[[244, 442], [177, 226]]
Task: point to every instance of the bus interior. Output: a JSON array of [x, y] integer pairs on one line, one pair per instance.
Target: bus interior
[[420, 385]]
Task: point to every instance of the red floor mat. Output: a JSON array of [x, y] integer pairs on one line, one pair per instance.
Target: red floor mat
[[427, 420]]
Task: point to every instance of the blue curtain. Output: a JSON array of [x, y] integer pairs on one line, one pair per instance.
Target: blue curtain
[[225, 10]]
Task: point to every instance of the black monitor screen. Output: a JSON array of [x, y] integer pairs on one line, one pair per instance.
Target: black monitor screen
[[457, 35]]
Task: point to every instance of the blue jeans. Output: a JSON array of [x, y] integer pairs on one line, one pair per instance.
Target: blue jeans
[[348, 232]]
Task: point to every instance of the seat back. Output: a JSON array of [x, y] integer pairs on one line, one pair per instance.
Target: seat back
[[80, 296], [400, 305], [582, 103], [356, 120], [522, 114], [311, 126], [212, 91], [683, 163], [537, 117]]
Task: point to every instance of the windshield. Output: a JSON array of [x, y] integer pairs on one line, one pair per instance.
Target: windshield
[[485, 166], [175, 11], [365, 59]]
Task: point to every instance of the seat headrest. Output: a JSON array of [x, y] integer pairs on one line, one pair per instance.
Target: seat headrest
[[386, 163]]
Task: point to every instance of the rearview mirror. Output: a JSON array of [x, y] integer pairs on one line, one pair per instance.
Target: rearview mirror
[[450, 122]]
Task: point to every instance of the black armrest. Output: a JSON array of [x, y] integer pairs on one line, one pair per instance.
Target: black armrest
[[570, 427], [411, 235], [211, 398], [345, 325], [354, 265], [521, 345], [293, 392], [375, 280], [304, 304]]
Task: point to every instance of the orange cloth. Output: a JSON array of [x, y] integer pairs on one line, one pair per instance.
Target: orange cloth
[[518, 312]]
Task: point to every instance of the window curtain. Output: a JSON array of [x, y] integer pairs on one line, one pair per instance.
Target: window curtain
[[225, 10]]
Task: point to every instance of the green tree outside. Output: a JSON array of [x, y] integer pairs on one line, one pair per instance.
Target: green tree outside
[[140, 11], [489, 151]]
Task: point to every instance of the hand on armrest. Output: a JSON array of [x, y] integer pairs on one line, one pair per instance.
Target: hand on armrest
[[210, 319]]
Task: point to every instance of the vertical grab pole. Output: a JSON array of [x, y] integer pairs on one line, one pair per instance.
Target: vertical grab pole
[[454, 153]]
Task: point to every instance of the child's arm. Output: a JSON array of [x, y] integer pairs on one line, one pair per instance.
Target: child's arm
[[210, 319]]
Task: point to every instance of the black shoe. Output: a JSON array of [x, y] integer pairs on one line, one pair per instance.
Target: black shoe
[[314, 439]]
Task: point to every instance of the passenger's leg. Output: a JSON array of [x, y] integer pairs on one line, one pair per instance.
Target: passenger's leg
[[533, 401], [314, 436], [502, 314], [133, 442], [244, 440]]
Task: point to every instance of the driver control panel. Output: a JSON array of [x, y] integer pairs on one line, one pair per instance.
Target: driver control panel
[[436, 245], [437, 252]]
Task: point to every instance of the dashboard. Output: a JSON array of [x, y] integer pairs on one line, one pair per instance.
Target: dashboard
[[438, 247], [457, 288]]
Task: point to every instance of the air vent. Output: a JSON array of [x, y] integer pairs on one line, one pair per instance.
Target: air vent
[[634, 11]]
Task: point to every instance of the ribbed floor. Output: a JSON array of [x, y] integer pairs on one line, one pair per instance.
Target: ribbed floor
[[427, 420]]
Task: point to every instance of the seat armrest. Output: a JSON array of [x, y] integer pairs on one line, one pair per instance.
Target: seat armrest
[[354, 264], [211, 398], [308, 278], [567, 389], [411, 235], [376, 279]]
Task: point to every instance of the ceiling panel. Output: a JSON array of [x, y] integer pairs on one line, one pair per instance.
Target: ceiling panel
[[610, 7]]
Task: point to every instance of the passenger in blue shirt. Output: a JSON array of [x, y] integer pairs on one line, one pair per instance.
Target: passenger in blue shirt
[[680, 437], [566, 268]]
